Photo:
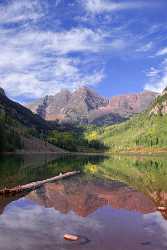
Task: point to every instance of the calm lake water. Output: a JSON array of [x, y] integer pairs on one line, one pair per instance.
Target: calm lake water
[[112, 205]]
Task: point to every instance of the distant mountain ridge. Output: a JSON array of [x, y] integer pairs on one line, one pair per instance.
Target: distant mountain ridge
[[85, 106]]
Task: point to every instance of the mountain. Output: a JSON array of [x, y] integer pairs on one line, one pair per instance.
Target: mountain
[[160, 104], [20, 113], [69, 106], [146, 132], [20, 128], [127, 105], [84, 197], [122, 107], [85, 106], [2, 92], [51, 107]]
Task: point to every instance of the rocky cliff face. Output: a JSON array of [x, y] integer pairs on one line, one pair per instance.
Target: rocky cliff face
[[160, 104], [85, 106], [52, 107], [2, 92], [69, 106], [128, 105], [82, 102]]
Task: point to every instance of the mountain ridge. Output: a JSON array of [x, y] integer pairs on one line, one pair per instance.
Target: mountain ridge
[[85, 106], [143, 133]]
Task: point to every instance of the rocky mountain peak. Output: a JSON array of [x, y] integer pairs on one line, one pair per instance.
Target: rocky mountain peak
[[89, 97], [64, 92], [84, 106], [84, 91], [2, 92]]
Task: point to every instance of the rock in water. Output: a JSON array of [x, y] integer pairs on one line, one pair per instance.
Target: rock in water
[[71, 237]]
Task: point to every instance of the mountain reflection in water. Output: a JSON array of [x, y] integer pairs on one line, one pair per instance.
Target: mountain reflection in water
[[85, 197], [118, 212]]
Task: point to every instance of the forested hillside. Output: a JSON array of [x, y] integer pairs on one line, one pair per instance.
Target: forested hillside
[[20, 129], [18, 123], [9, 138], [144, 132]]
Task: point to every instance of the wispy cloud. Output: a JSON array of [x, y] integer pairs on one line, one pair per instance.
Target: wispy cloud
[[35, 63], [20, 10], [40, 57], [99, 6], [153, 73], [157, 78], [162, 52], [146, 47], [69, 41]]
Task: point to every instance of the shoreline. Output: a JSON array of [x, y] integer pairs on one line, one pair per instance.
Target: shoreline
[[51, 153], [105, 154]]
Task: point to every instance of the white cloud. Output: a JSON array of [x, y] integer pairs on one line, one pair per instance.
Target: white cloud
[[35, 62], [32, 85], [20, 10], [65, 67], [157, 78], [32, 64], [153, 72], [146, 47], [99, 6], [16, 59], [18, 83], [37, 59], [77, 40], [119, 44], [158, 86], [162, 52], [73, 40]]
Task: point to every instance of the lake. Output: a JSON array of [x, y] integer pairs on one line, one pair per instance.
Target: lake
[[112, 205]]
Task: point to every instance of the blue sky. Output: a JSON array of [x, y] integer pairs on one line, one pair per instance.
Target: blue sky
[[114, 46]]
